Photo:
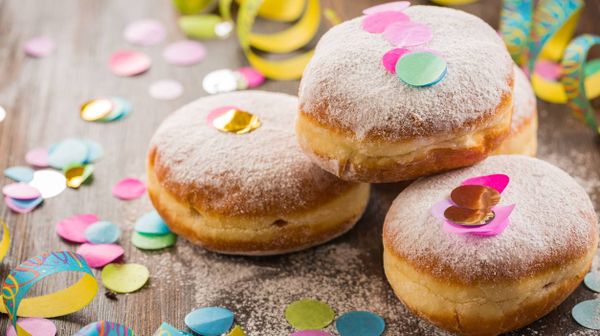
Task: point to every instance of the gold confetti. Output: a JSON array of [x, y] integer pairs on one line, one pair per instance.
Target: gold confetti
[[236, 121], [95, 109], [76, 175], [475, 197]]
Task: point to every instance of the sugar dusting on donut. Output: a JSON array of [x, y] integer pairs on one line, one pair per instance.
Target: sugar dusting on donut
[[262, 171], [553, 221], [523, 98], [346, 78]]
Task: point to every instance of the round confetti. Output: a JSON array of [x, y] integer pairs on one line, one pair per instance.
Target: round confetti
[[67, 152], [223, 29], [37, 157], [73, 228], [121, 108], [76, 174], [49, 182], [378, 22], [310, 333], [124, 278], [94, 151], [22, 206], [151, 224], [40, 46], [101, 254], [36, 326], [360, 323], [390, 6], [152, 242], [421, 69], [102, 232], [129, 188], [586, 314], [165, 89], [220, 81], [144, 32], [184, 52], [309, 314], [252, 76], [210, 320], [592, 281], [19, 173], [95, 109], [127, 63], [2, 113], [21, 191], [391, 57], [104, 328], [236, 331], [407, 34]]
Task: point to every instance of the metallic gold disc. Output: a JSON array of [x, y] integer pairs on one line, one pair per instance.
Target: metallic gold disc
[[475, 197], [95, 109], [468, 217], [236, 121], [76, 175]]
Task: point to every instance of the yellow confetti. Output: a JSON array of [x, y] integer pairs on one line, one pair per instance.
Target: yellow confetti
[[236, 331], [124, 278], [95, 109]]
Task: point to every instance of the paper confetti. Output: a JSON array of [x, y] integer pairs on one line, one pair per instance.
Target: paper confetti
[[2, 113], [49, 182], [21, 191], [205, 26], [73, 228], [145, 32], [391, 57], [66, 152], [126, 63], [378, 22], [102, 232], [252, 76], [77, 174], [309, 314], [105, 328], [166, 329], [165, 89], [586, 314], [236, 331], [310, 333], [22, 206], [407, 34], [101, 254], [129, 188], [184, 52], [235, 121], [19, 173], [120, 109], [36, 326], [95, 109], [360, 323], [220, 81], [94, 150], [151, 224], [390, 6], [421, 69], [38, 47], [124, 278], [592, 281], [152, 242], [210, 321], [37, 157]]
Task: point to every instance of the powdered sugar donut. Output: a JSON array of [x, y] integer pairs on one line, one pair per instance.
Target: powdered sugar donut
[[361, 122], [253, 193], [486, 285], [523, 131]]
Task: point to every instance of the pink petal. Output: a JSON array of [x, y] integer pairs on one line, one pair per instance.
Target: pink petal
[[407, 34], [21, 191], [73, 228], [129, 188], [390, 6], [378, 22], [129, 63], [496, 181], [33, 325], [144, 32], [101, 254], [391, 57], [252, 76], [184, 52], [217, 112], [39, 46], [37, 157], [496, 226]]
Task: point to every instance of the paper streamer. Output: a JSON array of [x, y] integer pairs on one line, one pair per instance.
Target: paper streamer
[[66, 301], [5, 242]]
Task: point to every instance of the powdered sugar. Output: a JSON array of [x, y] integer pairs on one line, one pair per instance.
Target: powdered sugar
[[523, 99], [553, 220], [346, 78]]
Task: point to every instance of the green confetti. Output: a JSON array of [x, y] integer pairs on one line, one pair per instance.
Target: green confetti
[[309, 314], [153, 242], [421, 68]]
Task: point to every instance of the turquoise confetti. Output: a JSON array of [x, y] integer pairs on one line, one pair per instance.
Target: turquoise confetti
[[152, 224], [19, 173], [360, 323], [210, 321], [102, 232]]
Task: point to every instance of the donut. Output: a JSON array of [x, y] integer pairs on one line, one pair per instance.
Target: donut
[[361, 122], [522, 138], [254, 193], [470, 283]]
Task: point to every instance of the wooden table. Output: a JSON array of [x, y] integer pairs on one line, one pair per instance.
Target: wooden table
[[42, 97]]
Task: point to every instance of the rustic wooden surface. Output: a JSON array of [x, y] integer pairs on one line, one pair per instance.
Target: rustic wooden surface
[[42, 98]]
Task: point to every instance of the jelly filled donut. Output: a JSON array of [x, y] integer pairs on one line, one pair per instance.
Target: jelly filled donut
[[429, 93], [226, 173], [490, 248], [523, 131]]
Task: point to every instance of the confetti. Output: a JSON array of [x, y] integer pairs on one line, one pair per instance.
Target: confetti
[[95, 109], [152, 242], [209, 321], [360, 323], [237, 331], [592, 281], [121, 108], [145, 32], [49, 182], [252, 76], [586, 314], [421, 69], [76, 174], [309, 314], [98, 255], [151, 224], [94, 151], [236, 121], [377, 23], [391, 57], [129, 188], [407, 34], [2, 113], [67, 152], [310, 333], [35, 326], [21, 191], [38, 47], [105, 328], [165, 89], [184, 52], [124, 278], [73, 228], [102, 232], [390, 6], [21, 206], [19, 173], [166, 329], [548, 70], [205, 26], [37, 157], [496, 181], [220, 81], [126, 63]]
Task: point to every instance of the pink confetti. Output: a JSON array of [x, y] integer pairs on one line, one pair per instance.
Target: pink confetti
[[378, 22], [310, 333], [548, 70], [165, 89], [129, 188], [217, 112], [129, 63], [10, 203], [73, 228], [40, 46], [496, 181], [252, 76], [184, 52], [391, 57], [98, 255], [144, 32], [33, 325], [407, 34], [21, 191], [390, 6], [37, 157]]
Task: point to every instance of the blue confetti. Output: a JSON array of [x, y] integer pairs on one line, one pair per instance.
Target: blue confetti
[[360, 323], [94, 150], [152, 224], [587, 314], [67, 152], [26, 204], [592, 281], [210, 321], [19, 173], [102, 232]]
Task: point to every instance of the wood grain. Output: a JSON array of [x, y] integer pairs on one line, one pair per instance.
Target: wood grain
[[42, 97]]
